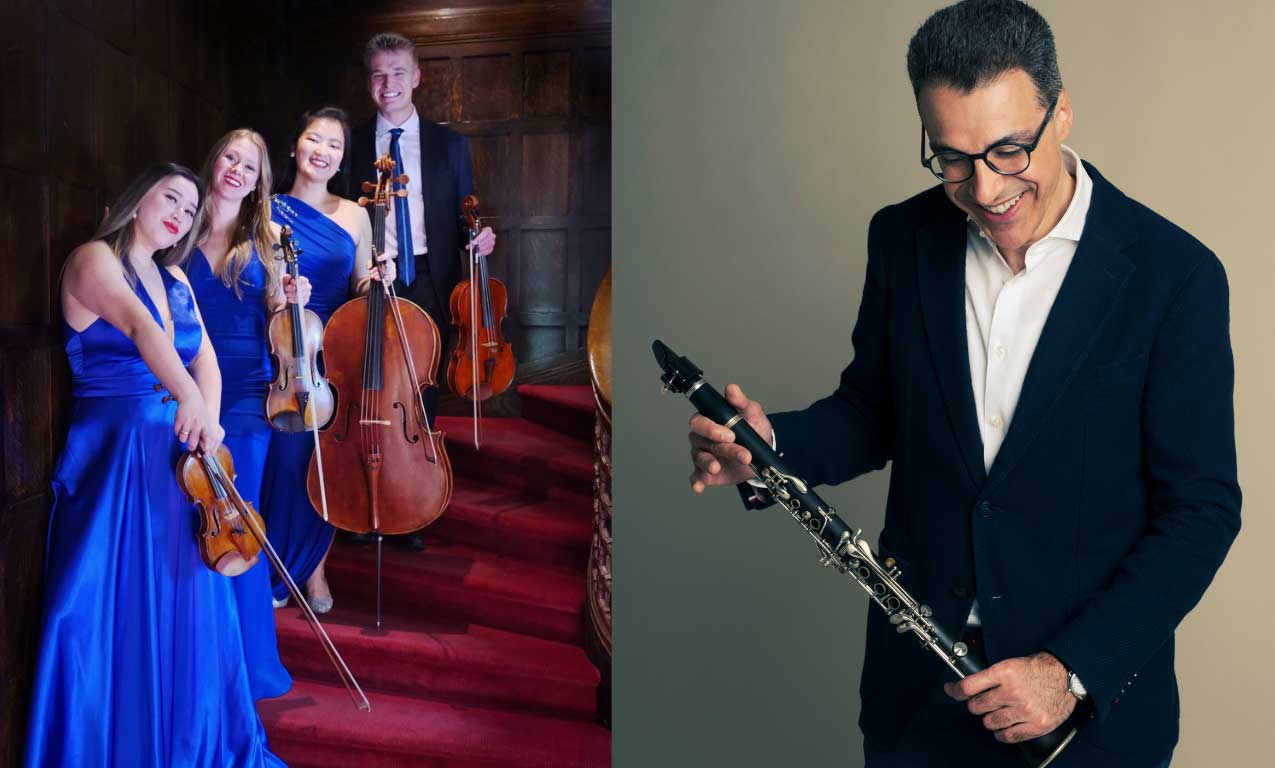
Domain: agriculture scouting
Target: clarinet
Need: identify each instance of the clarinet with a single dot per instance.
(839, 547)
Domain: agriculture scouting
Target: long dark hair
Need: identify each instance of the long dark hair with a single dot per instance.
(117, 229)
(338, 183)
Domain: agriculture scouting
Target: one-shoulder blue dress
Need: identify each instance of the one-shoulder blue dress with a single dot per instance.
(237, 329)
(141, 659)
(293, 525)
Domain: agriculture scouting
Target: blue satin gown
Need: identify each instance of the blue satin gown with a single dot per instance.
(293, 525)
(141, 660)
(237, 329)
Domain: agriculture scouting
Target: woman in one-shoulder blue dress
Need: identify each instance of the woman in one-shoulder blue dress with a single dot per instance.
(140, 660)
(335, 237)
(236, 290)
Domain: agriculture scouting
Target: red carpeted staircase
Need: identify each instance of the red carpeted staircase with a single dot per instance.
(479, 659)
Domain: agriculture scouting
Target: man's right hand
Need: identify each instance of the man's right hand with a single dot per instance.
(717, 459)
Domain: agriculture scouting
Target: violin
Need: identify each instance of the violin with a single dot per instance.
(482, 364)
(232, 536)
(387, 468)
(299, 398)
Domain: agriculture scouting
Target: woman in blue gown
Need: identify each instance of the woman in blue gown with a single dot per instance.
(140, 661)
(336, 237)
(237, 288)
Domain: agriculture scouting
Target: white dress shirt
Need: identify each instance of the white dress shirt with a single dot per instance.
(409, 143)
(1005, 313)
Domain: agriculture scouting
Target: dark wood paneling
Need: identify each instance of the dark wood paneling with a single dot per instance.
(494, 174)
(593, 72)
(115, 21)
(27, 440)
(79, 11)
(438, 96)
(22, 532)
(547, 89)
(74, 109)
(115, 83)
(154, 43)
(186, 42)
(24, 295)
(544, 264)
(152, 131)
(487, 91)
(593, 163)
(546, 169)
(22, 99)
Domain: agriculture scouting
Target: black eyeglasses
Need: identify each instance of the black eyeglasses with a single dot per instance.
(1008, 159)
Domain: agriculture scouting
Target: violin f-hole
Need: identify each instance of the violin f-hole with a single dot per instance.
(411, 439)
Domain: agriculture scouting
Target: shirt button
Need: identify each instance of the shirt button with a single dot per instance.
(985, 509)
(999, 351)
(996, 422)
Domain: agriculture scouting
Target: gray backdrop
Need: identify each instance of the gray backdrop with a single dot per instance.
(753, 142)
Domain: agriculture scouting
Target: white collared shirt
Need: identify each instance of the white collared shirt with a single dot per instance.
(1005, 313)
(409, 144)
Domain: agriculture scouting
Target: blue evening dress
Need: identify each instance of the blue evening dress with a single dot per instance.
(237, 329)
(141, 659)
(296, 529)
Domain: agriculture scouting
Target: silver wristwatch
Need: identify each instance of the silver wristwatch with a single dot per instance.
(1075, 687)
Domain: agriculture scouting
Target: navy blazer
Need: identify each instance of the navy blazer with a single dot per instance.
(448, 177)
(1113, 499)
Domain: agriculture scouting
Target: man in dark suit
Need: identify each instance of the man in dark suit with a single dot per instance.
(1047, 365)
(429, 219)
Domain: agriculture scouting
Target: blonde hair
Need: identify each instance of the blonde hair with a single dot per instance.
(252, 227)
(385, 41)
(117, 231)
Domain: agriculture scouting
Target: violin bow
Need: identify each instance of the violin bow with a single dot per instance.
(214, 471)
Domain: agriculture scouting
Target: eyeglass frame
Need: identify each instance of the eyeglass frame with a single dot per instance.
(1028, 148)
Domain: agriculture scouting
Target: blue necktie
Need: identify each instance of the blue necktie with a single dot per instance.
(402, 216)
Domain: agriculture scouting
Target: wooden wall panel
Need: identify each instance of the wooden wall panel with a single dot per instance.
(487, 91)
(21, 579)
(154, 43)
(492, 158)
(115, 22)
(186, 37)
(22, 97)
(438, 96)
(151, 127)
(74, 107)
(26, 416)
(547, 88)
(593, 160)
(24, 295)
(546, 171)
(115, 83)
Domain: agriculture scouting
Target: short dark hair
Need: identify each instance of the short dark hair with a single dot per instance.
(973, 42)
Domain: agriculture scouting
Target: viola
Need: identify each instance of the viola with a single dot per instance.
(387, 469)
(299, 398)
(482, 364)
(232, 536)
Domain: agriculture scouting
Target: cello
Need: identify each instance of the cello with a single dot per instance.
(232, 536)
(388, 471)
(482, 364)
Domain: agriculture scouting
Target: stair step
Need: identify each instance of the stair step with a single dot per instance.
(556, 530)
(566, 409)
(519, 453)
(452, 582)
(316, 726)
(460, 663)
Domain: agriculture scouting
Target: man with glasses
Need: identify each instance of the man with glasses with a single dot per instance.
(1047, 365)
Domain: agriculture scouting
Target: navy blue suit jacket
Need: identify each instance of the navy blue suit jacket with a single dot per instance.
(1113, 499)
(447, 177)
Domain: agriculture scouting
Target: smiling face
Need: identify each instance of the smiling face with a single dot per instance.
(1014, 211)
(392, 76)
(320, 148)
(167, 212)
(236, 171)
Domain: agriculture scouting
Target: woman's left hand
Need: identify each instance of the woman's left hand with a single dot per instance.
(298, 291)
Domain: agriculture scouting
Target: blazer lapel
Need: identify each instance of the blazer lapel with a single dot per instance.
(940, 247)
(1097, 275)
